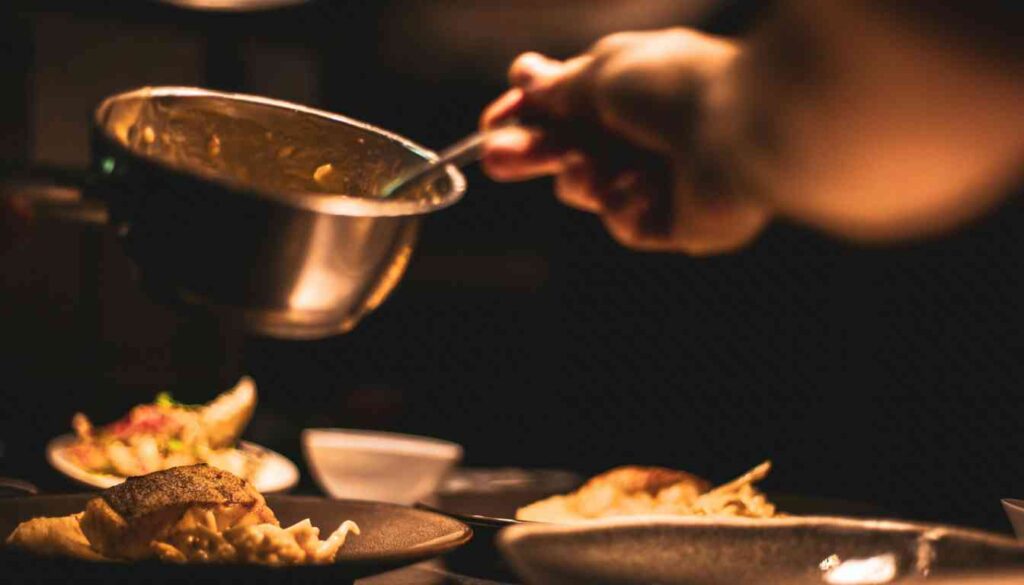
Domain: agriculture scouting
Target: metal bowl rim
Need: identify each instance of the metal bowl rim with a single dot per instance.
(319, 202)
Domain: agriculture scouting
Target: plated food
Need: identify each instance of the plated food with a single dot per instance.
(391, 536)
(166, 433)
(188, 514)
(634, 491)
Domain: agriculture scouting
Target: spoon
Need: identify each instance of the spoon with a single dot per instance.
(462, 153)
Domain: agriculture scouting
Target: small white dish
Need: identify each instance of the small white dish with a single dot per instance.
(276, 474)
(375, 465)
(1015, 513)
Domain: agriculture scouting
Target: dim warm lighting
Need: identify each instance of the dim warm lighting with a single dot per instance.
(389, 280)
(317, 288)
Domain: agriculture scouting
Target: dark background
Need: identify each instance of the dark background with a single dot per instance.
(883, 375)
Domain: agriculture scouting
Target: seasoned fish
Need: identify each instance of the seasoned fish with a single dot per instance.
(126, 518)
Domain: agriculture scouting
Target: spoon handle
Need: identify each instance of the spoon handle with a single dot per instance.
(462, 153)
(10, 486)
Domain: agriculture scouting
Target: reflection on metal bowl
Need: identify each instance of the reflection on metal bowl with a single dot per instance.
(266, 212)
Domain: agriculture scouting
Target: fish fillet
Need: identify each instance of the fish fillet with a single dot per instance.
(126, 518)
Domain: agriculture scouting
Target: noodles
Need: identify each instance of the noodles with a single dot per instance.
(197, 538)
(264, 544)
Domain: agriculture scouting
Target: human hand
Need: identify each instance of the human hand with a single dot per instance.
(621, 133)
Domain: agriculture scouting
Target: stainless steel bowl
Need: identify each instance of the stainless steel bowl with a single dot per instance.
(266, 212)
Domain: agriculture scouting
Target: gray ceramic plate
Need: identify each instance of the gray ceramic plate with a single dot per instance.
(487, 500)
(717, 551)
(392, 536)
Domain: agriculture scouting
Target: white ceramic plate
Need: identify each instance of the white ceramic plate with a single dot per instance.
(276, 474)
(1015, 513)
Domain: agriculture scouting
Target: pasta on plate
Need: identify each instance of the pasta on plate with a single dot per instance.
(633, 490)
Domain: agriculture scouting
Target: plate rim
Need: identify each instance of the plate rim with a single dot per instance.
(430, 549)
(526, 529)
(54, 456)
(421, 552)
(501, 522)
(519, 544)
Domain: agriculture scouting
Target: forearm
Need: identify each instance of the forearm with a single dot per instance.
(843, 116)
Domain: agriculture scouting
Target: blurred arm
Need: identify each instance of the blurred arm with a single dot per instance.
(873, 119)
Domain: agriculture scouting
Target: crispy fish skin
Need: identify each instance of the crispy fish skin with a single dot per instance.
(126, 518)
(189, 485)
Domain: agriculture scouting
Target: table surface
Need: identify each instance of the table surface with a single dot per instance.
(426, 573)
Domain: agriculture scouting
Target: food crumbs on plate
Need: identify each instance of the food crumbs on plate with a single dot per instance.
(213, 146)
(829, 563)
(322, 172)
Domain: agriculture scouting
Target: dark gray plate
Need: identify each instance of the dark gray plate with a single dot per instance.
(719, 551)
(487, 500)
(392, 536)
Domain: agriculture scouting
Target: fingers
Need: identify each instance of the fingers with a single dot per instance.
(537, 86)
(546, 89)
(553, 89)
(611, 122)
(528, 70)
(579, 186)
(518, 154)
(696, 229)
(642, 218)
(508, 104)
(649, 209)
(531, 69)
